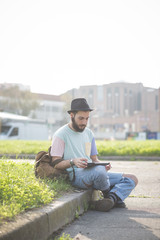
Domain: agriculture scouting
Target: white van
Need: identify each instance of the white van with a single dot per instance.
(19, 127)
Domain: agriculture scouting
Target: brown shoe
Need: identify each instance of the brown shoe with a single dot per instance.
(120, 205)
(103, 205)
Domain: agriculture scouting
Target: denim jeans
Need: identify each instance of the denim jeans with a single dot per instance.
(98, 178)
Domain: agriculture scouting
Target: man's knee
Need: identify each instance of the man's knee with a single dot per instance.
(100, 172)
(131, 176)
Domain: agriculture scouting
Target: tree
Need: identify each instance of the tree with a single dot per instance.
(17, 101)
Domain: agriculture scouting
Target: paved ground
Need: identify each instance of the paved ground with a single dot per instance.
(141, 219)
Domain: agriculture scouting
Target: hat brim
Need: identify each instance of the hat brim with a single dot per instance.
(78, 110)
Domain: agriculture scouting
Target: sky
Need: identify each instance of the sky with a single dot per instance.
(54, 46)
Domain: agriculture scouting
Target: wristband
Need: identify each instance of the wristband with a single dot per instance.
(71, 163)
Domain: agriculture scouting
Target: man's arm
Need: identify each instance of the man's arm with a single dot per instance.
(94, 158)
(78, 162)
(62, 165)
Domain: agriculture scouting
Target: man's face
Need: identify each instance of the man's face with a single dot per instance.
(79, 120)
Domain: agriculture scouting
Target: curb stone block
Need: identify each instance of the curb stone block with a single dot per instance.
(41, 223)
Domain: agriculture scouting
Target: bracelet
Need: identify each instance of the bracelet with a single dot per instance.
(71, 163)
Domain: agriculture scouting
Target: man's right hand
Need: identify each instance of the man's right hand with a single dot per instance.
(80, 162)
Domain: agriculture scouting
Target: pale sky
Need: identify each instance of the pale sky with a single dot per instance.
(54, 46)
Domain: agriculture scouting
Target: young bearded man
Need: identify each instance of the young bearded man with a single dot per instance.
(75, 143)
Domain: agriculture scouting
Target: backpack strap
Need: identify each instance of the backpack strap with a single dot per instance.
(55, 162)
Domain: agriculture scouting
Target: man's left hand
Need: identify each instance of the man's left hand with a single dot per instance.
(108, 167)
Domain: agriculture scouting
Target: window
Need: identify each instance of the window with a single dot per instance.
(14, 132)
(116, 101)
(109, 98)
(47, 108)
(109, 92)
(139, 102)
(156, 102)
(116, 90)
(130, 93)
(5, 129)
(100, 93)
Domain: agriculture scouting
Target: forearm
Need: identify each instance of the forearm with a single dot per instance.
(95, 158)
(62, 165)
(78, 162)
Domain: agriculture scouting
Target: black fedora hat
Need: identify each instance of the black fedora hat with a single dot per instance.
(79, 104)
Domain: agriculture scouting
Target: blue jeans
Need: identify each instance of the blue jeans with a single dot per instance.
(98, 178)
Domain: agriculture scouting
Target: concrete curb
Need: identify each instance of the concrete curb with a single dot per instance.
(130, 158)
(42, 222)
(113, 158)
(18, 156)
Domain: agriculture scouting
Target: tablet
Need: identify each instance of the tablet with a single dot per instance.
(92, 164)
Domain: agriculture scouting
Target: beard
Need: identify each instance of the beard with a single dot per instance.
(76, 127)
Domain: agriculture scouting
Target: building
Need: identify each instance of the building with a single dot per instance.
(50, 109)
(122, 107)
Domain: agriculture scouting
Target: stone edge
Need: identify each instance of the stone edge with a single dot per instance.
(43, 222)
(114, 158)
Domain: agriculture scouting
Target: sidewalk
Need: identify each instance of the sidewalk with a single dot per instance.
(140, 221)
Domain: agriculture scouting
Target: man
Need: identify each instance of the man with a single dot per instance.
(75, 143)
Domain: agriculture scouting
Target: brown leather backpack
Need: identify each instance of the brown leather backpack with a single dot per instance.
(44, 167)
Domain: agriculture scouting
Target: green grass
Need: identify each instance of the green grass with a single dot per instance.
(64, 237)
(129, 148)
(23, 146)
(105, 148)
(21, 191)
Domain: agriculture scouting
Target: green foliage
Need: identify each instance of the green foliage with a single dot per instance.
(64, 237)
(105, 148)
(77, 212)
(61, 185)
(130, 148)
(23, 146)
(20, 190)
(17, 101)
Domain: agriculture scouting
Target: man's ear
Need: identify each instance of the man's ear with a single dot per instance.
(72, 114)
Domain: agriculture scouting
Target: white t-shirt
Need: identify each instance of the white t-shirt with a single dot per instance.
(70, 144)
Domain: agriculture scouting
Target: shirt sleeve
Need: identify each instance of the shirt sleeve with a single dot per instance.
(93, 147)
(57, 148)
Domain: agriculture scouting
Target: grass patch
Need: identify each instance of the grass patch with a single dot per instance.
(20, 190)
(140, 196)
(105, 148)
(23, 146)
(64, 237)
(129, 148)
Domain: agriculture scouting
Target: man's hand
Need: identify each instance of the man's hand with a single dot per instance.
(108, 167)
(80, 162)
